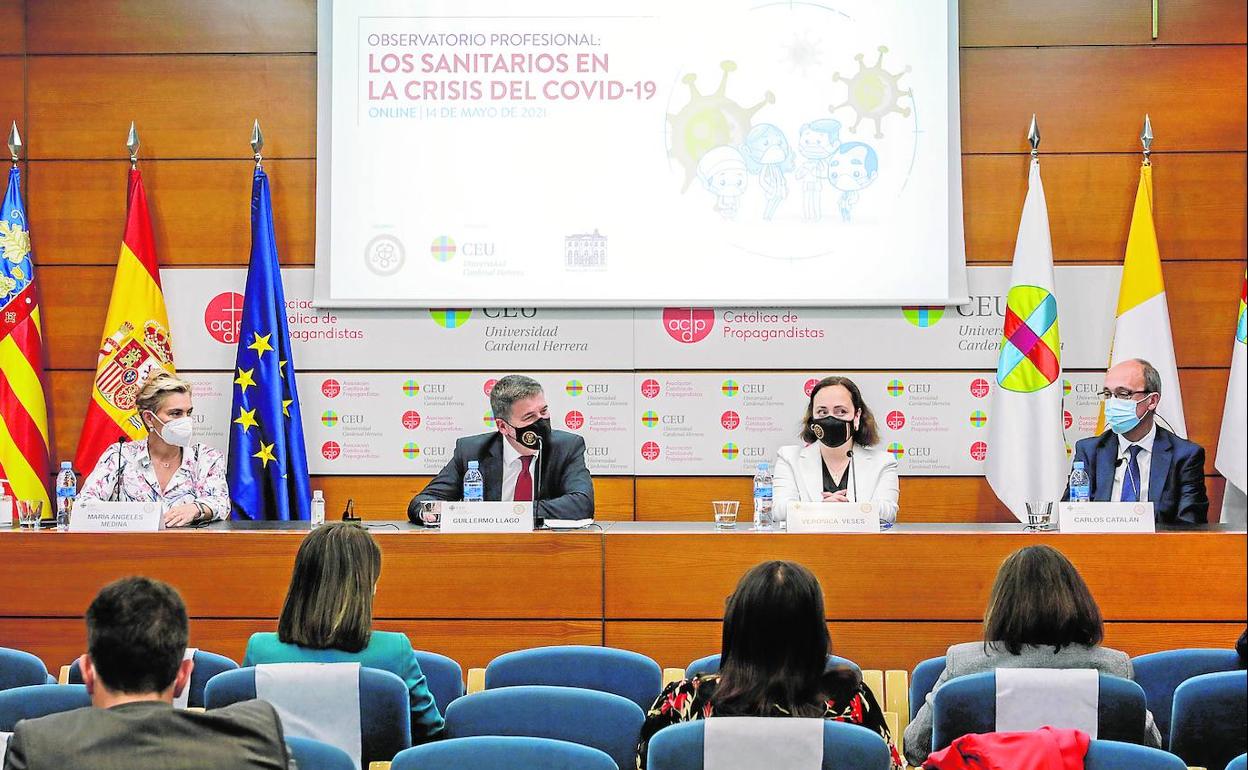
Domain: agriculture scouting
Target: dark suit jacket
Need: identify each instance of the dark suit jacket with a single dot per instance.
(151, 735)
(1176, 475)
(567, 491)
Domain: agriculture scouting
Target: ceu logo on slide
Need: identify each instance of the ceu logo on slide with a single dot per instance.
(330, 450)
(574, 420)
(650, 451)
(979, 450)
(730, 388)
(1066, 387)
(330, 388)
(895, 420)
(730, 451)
(650, 388)
(411, 419)
(730, 420)
(1030, 352)
(574, 388)
(688, 324)
(979, 387)
(443, 248)
(223, 315)
(450, 317)
(978, 419)
(329, 418)
(896, 388)
(384, 255)
(923, 316)
(411, 450)
(896, 450)
(411, 388)
(488, 419)
(650, 419)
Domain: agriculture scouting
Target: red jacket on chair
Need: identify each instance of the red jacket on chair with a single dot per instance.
(1043, 749)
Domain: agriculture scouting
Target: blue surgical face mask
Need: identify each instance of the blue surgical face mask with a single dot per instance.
(1120, 414)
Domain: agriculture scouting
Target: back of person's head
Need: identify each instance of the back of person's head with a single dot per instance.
(136, 635)
(330, 600)
(775, 643)
(1039, 598)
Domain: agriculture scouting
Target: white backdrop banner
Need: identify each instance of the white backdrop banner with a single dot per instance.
(205, 307)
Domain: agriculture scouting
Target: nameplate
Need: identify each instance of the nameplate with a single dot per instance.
(106, 516)
(487, 516)
(833, 517)
(1106, 517)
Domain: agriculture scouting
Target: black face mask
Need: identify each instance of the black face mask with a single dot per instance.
(533, 434)
(832, 431)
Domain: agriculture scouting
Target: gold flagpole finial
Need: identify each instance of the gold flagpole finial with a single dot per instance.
(257, 141)
(1146, 139)
(15, 144)
(1033, 136)
(132, 144)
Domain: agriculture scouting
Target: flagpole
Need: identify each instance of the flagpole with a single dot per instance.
(132, 144)
(1146, 140)
(257, 142)
(1033, 136)
(15, 144)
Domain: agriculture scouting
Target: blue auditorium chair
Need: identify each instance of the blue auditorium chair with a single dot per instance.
(502, 752)
(968, 704)
(207, 665)
(21, 669)
(923, 680)
(443, 676)
(1239, 763)
(314, 755)
(39, 700)
(710, 665)
(600, 720)
(1114, 755)
(385, 715)
(1207, 723)
(1160, 673)
(606, 669)
(845, 747)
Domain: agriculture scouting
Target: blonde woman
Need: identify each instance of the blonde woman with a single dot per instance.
(167, 466)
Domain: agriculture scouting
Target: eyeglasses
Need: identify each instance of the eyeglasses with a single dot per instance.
(1107, 394)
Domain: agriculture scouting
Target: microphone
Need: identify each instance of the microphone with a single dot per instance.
(348, 513)
(121, 468)
(853, 473)
(538, 521)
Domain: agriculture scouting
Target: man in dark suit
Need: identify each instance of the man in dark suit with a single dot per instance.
(523, 450)
(1138, 460)
(136, 638)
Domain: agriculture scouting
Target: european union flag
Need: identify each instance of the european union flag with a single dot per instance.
(268, 468)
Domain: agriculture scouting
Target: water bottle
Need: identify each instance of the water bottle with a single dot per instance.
(66, 491)
(1080, 484)
(318, 508)
(474, 485)
(763, 497)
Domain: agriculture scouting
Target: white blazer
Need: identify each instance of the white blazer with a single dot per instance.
(799, 476)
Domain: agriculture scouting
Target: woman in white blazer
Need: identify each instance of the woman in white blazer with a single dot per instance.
(839, 460)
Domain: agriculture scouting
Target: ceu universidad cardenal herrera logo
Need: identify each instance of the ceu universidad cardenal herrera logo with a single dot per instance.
(442, 248)
(450, 317)
(923, 316)
(329, 418)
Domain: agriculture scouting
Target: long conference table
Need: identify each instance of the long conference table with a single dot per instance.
(892, 598)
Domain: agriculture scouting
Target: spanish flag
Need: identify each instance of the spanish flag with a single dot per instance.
(135, 340)
(1142, 328)
(23, 407)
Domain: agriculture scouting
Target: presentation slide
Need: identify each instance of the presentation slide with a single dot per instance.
(648, 153)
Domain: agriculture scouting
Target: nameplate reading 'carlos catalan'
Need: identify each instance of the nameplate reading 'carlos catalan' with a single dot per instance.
(487, 516)
(1106, 517)
(833, 517)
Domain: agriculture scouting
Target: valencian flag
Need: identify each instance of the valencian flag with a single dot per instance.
(268, 466)
(23, 408)
(1026, 444)
(1232, 459)
(135, 340)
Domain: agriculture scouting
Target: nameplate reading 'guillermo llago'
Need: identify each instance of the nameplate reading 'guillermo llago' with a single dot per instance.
(488, 516)
(833, 517)
(1106, 517)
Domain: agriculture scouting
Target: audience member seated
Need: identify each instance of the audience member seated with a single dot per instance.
(773, 662)
(1040, 615)
(136, 639)
(328, 617)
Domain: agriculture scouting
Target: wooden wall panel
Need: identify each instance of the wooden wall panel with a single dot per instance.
(201, 210)
(171, 26)
(12, 27)
(1094, 99)
(1198, 204)
(1098, 22)
(12, 100)
(184, 106)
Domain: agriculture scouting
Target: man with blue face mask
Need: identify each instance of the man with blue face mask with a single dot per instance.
(1138, 460)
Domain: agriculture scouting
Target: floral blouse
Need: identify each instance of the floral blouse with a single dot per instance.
(200, 478)
(690, 699)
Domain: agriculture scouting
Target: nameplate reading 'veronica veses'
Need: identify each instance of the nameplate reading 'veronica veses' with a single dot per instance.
(1106, 517)
(833, 517)
(105, 516)
(487, 517)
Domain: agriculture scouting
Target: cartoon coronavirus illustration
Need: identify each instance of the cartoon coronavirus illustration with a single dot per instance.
(873, 92)
(709, 120)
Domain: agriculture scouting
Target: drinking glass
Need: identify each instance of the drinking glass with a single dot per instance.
(431, 513)
(1039, 515)
(28, 513)
(725, 513)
